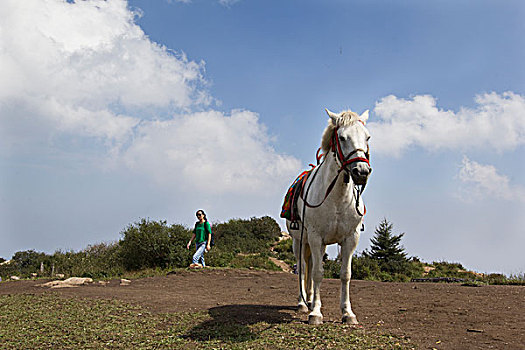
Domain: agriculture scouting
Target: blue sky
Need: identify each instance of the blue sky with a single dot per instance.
(117, 110)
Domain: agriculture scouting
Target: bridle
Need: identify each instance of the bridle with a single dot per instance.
(344, 162)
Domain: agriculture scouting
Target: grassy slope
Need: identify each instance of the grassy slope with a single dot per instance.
(51, 321)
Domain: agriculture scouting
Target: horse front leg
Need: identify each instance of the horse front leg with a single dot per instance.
(317, 249)
(347, 250)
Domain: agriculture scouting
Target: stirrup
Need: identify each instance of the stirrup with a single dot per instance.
(294, 225)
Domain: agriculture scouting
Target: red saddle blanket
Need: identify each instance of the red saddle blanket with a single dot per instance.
(289, 209)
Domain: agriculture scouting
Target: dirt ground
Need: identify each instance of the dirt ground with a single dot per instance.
(432, 315)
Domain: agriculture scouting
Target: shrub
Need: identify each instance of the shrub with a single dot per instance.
(447, 269)
(518, 280)
(149, 244)
(7, 270)
(101, 260)
(179, 236)
(219, 258)
(332, 268)
(284, 251)
(496, 278)
(247, 236)
(365, 268)
(24, 263)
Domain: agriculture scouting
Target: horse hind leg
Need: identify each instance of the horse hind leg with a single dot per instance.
(302, 275)
(309, 281)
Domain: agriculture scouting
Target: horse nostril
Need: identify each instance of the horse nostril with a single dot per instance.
(355, 171)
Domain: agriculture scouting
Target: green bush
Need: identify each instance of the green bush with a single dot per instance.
(24, 263)
(447, 269)
(150, 244)
(332, 268)
(518, 280)
(96, 261)
(365, 268)
(284, 251)
(247, 236)
(7, 270)
(179, 256)
(217, 257)
(284, 246)
(496, 278)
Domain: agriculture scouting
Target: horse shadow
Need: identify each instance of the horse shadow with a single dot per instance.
(232, 322)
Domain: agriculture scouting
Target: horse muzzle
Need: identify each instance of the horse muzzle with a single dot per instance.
(360, 173)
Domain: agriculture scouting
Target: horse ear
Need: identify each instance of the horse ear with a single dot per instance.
(364, 117)
(332, 115)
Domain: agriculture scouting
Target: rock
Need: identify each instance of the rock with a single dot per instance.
(59, 275)
(50, 284)
(104, 283)
(124, 282)
(472, 330)
(70, 282)
(15, 278)
(64, 285)
(34, 275)
(78, 280)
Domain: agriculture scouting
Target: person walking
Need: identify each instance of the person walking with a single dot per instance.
(202, 236)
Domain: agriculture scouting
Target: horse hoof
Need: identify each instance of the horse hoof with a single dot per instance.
(350, 320)
(315, 320)
(302, 308)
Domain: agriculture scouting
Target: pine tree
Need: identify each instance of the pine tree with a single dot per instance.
(386, 246)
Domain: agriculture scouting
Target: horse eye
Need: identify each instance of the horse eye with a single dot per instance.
(342, 138)
(368, 138)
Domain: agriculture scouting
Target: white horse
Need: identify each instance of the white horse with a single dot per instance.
(333, 212)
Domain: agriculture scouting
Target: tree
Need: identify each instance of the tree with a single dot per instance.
(386, 248)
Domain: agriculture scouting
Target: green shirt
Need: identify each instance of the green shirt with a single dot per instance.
(201, 231)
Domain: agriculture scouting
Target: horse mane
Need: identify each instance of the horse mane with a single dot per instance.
(345, 118)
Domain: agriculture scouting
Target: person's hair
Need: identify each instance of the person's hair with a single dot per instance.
(203, 213)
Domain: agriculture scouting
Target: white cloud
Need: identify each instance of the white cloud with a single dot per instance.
(485, 181)
(211, 152)
(85, 70)
(228, 2)
(80, 66)
(497, 124)
(222, 2)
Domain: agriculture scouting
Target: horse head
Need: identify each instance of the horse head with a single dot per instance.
(349, 137)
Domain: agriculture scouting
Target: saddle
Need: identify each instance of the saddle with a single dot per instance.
(289, 210)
